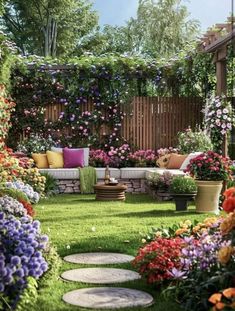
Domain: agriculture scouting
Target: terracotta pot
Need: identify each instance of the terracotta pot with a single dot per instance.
(207, 198)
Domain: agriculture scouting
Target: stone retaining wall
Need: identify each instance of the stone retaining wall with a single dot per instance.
(73, 186)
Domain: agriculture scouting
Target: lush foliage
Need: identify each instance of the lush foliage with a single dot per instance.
(49, 28)
(21, 255)
(158, 259)
(35, 143)
(6, 107)
(210, 166)
(181, 184)
(218, 119)
(160, 182)
(193, 141)
(51, 184)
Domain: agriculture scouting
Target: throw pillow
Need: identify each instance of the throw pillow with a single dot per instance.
(73, 158)
(86, 153)
(176, 160)
(187, 160)
(40, 160)
(163, 161)
(55, 159)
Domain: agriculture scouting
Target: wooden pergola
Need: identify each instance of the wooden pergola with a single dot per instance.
(216, 41)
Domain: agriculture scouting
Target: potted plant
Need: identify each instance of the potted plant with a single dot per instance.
(210, 170)
(183, 189)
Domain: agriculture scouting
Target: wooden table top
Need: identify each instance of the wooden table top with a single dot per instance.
(119, 186)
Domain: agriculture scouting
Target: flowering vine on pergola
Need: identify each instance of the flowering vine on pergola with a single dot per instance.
(216, 41)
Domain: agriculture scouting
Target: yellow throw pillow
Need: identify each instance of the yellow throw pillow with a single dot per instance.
(40, 160)
(55, 159)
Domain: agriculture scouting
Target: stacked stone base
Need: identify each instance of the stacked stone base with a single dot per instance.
(73, 186)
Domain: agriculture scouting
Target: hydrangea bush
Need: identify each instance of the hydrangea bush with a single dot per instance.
(25, 188)
(21, 255)
(35, 143)
(10, 206)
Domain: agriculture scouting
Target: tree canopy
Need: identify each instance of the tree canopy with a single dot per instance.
(48, 27)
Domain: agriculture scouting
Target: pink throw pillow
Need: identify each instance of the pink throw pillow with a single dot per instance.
(73, 158)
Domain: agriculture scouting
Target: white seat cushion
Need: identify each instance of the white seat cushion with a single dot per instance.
(133, 172)
(187, 160)
(73, 173)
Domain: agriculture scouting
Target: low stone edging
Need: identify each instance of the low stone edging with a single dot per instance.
(73, 186)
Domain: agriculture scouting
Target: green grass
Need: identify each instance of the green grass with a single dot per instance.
(78, 223)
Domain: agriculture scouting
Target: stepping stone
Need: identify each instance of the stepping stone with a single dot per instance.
(108, 298)
(100, 275)
(98, 258)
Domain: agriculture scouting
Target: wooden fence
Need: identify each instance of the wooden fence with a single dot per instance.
(151, 122)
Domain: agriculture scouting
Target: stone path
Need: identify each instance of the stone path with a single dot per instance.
(98, 258)
(104, 297)
(100, 275)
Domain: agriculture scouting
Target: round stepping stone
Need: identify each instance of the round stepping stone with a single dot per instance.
(100, 275)
(98, 258)
(108, 298)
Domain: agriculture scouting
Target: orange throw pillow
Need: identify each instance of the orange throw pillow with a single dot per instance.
(176, 160)
(163, 161)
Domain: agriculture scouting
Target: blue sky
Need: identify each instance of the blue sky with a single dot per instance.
(208, 12)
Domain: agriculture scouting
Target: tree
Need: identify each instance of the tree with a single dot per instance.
(162, 27)
(48, 27)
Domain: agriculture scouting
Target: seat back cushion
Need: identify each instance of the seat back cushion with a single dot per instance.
(73, 158)
(55, 159)
(187, 160)
(86, 153)
(163, 161)
(176, 160)
(40, 160)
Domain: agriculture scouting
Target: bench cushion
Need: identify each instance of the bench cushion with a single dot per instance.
(73, 173)
(134, 172)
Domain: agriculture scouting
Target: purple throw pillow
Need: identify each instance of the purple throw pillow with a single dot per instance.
(73, 158)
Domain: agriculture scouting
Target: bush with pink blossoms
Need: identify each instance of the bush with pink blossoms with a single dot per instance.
(163, 151)
(120, 156)
(99, 158)
(142, 158)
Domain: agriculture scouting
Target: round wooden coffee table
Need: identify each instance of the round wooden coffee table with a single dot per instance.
(110, 192)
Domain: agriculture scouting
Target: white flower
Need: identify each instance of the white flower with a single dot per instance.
(225, 110)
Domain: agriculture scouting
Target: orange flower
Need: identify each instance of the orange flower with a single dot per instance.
(181, 231)
(228, 224)
(229, 204)
(224, 254)
(229, 292)
(220, 306)
(215, 298)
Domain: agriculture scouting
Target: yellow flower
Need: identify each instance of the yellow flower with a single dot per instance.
(196, 229)
(188, 223)
(143, 241)
(180, 231)
(224, 254)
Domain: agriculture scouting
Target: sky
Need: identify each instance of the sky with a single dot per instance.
(208, 12)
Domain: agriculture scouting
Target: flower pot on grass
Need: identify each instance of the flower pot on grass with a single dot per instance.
(210, 170)
(183, 189)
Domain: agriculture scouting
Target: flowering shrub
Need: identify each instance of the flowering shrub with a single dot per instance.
(10, 206)
(163, 151)
(27, 189)
(21, 247)
(229, 201)
(193, 141)
(98, 158)
(218, 119)
(142, 158)
(160, 182)
(36, 143)
(119, 156)
(209, 166)
(10, 170)
(6, 107)
(156, 260)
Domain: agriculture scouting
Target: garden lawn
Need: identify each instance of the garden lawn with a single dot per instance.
(78, 223)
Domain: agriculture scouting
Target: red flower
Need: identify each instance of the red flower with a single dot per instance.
(229, 204)
(28, 207)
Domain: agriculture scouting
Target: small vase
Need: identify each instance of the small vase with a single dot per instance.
(208, 194)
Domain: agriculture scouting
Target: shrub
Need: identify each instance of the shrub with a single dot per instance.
(143, 158)
(119, 156)
(98, 158)
(32, 195)
(10, 206)
(193, 141)
(21, 247)
(36, 143)
(181, 184)
(51, 185)
(160, 182)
